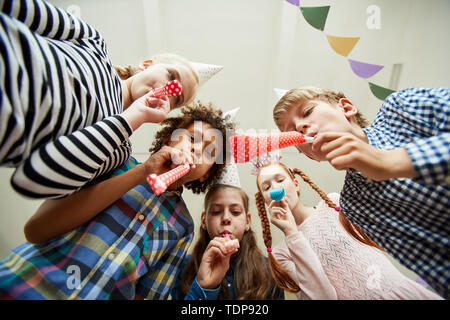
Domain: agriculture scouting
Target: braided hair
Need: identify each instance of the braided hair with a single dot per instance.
(280, 275)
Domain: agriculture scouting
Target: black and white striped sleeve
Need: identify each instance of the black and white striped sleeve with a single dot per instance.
(65, 165)
(47, 20)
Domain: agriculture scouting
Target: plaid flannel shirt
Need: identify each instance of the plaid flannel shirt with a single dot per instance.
(409, 218)
(135, 246)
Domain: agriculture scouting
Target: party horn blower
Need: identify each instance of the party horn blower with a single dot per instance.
(160, 183)
(171, 88)
(246, 147)
(277, 194)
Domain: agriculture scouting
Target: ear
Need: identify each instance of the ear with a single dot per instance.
(248, 222)
(348, 107)
(203, 220)
(145, 64)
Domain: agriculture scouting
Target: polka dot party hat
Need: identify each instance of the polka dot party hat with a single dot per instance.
(246, 147)
(205, 71)
(230, 176)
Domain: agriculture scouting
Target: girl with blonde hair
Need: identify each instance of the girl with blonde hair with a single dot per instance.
(67, 114)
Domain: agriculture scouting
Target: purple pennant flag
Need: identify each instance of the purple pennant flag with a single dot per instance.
(294, 2)
(364, 70)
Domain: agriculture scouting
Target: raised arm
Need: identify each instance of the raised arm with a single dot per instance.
(65, 165)
(427, 111)
(57, 217)
(47, 20)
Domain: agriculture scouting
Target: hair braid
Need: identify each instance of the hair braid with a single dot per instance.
(279, 274)
(351, 228)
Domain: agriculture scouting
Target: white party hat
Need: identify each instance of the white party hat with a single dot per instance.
(230, 176)
(280, 92)
(205, 71)
(232, 113)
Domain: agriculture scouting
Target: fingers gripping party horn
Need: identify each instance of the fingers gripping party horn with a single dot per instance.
(246, 147)
(160, 183)
(171, 88)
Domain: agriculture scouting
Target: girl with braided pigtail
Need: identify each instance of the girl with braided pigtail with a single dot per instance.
(323, 254)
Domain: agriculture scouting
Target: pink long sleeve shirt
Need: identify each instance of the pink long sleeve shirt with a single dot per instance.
(328, 263)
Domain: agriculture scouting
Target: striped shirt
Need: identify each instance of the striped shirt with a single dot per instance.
(59, 101)
(135, 246)
(409, 218)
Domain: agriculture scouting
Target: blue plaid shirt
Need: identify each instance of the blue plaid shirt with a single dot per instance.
(409, 218)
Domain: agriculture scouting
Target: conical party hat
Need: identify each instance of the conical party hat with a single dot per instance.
(160, 183)
(280, 92)
(205, 71)
(232, 113)
(246, 147)
(230, 176)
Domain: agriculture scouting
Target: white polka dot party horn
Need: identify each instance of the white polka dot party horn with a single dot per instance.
(160, 183)
(246, 147)
(171, 88)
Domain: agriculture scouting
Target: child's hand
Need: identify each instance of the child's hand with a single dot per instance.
(281, 216)
(216, 262)
(146, 109)
(165, 159)
(345, 151)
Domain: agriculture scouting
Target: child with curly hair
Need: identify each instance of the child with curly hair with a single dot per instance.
(119, 239)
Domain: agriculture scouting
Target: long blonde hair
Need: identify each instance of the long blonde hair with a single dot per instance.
(251, 277)
(280, 275)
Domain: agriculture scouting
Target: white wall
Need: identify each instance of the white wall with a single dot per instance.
(262, 45)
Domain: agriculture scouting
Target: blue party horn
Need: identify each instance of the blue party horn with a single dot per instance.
(277, 194)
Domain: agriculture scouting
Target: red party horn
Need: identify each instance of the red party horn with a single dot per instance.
(246, 147)
(171, 88)
(160, 183)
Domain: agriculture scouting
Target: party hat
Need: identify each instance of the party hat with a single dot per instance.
(280, 92)
(160, 183)
(205, 71)
(232, 113)
(246, 147)
(230, 176)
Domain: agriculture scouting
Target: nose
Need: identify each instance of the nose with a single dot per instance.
(226, 218)
(301, 126)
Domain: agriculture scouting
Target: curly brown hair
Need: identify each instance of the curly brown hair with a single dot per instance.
(205, 113)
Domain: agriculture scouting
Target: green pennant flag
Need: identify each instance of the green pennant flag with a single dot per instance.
(380, 92)
(315, 16)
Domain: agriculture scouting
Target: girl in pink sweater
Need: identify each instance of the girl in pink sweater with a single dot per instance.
(324, 255)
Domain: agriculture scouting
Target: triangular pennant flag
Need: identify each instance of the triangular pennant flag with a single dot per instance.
(280, 92)
(342, 45)
(294, 2)
(315, 16)
(364, 70)
(380, 92)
